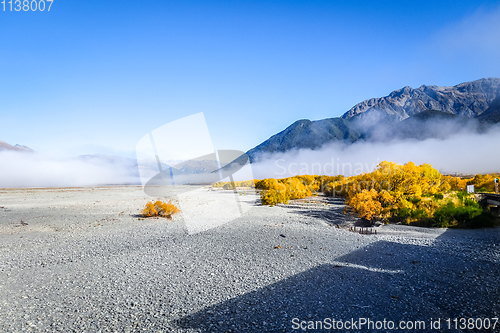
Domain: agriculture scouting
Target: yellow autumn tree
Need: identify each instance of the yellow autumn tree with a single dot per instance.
(366, 204)
(297, 189)
(273, 192)
(399, 189)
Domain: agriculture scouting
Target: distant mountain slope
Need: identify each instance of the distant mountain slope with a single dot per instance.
(467, 99)
(492, 114)
(5, 146)
(426, 112)
(308, 134)
(424, 125)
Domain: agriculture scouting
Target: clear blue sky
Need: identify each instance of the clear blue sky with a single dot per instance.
(95, 76)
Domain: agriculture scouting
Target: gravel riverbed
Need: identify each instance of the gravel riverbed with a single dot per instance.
(82, 260)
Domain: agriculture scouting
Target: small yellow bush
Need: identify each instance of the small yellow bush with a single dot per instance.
(229, 186)
(274, 197)
(160, 208)
(233, 184)
(149, 210)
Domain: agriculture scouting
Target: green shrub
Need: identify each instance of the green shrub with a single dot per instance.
(439, 196)
(449, 215)
(403, 212)
(486, 220)
(419, 213)
(443, 217)
(414, 200)
(462, 195)
(470, 202)
(466, 213)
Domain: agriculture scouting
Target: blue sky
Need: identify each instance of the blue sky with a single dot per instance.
(95, 76)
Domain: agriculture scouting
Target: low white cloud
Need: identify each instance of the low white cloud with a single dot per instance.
(466, 152)
(38, 170)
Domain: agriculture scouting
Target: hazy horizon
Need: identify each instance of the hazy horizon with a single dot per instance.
(456, 153)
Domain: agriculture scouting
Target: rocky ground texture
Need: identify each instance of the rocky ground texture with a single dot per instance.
(82, 260)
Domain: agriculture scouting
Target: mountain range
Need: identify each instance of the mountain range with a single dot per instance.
(4, 146)
(407, 113)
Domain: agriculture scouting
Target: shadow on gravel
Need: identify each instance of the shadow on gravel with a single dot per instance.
(332, 214)
(381, 281)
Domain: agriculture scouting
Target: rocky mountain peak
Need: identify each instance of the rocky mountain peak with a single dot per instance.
(408, 113)
(468, 99)
(5, 146)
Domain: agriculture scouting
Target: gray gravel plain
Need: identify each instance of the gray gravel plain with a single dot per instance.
(81, 260)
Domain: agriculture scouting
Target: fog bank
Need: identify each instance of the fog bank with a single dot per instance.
(37, 170)
(466, 152)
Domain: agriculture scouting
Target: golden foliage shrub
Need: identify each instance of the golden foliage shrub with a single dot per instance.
(232, 185)
(366, 204)
(149, 210)
(393, 190)
(273, 192)
(273, 197)
(482, 183)
(160, 208)
(406, 192)
(297, 189)
(246, 183)
(336, 187)
(283, 190)
(229, 186)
